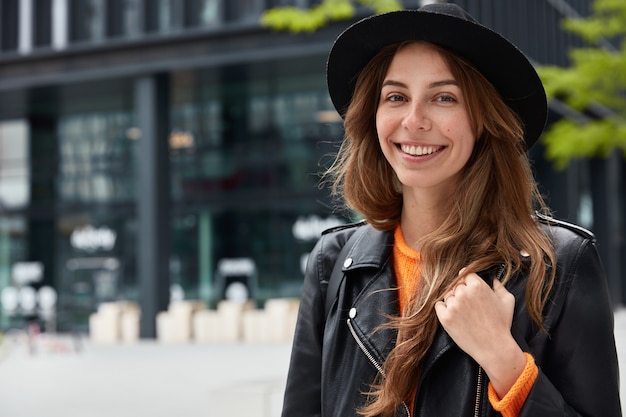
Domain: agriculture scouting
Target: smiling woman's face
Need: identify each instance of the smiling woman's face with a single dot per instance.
(422, 121)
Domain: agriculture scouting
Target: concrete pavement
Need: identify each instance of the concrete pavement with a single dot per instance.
(155, 380)
(142, 379)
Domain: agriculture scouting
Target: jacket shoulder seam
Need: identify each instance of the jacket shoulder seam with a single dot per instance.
(343, 227)
(579, 230)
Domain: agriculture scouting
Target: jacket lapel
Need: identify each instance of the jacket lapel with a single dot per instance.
(370, 261)
(441, 344)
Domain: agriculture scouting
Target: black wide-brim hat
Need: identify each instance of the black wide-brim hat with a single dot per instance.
(451, 27)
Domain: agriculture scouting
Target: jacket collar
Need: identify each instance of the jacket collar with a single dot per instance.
(371, 249)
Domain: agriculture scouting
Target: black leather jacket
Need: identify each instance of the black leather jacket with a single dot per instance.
(334, 360)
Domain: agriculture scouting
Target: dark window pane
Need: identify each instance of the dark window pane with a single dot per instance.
(203, 13)
(115, 26)
(9, 21)
(244, 10)
(42, 23)
(86, 19)
(123, 18)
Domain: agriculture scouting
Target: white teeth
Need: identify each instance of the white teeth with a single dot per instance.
(419, 150)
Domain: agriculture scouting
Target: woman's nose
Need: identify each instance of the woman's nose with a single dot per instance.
(416, 119)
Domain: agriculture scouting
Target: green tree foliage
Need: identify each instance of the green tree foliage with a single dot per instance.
(595, 80)
(297, 20)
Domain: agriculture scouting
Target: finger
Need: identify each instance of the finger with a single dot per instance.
(498, 286)
(447, 297)
(440, 308)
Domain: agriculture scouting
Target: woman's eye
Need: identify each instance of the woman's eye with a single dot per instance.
(445, 99)
(395, 97)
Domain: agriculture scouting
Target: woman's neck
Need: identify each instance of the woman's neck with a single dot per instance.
(422, 214)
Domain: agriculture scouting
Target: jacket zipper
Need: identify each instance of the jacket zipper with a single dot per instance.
(479, 382)
(500, 272)
(372, 360)
(479, 391)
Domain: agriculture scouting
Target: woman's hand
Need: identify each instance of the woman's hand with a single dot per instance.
(479, 320)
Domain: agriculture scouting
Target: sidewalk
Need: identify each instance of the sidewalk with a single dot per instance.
(156, 380)
(143, 379)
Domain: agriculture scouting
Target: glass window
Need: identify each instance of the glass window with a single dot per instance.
(9, 18)
(42, 23)
(96, 249)
(95, 220)
(87, 20)
(203, 13)
(96, 158)
(294, 3)
(244, 10)
(244, 186)
(14, 165)
(264, 249)
(123, 18)
(164, 16)
(13, 249)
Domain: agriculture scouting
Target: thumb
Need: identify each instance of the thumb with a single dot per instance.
(498, 286)
(500, 290)
(502, 294)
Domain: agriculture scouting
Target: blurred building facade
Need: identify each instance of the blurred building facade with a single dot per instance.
(152, 149)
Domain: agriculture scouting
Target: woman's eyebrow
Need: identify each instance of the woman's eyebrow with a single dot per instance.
(442, 83)
(394, 84)
(434, 84)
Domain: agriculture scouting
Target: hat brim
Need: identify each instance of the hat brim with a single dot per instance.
(501, 62)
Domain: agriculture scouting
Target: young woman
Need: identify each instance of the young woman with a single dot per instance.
(458, 295)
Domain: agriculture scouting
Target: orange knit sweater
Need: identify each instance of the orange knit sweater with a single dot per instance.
(406, 268)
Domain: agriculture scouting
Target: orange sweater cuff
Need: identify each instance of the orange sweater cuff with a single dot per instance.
(511, 404)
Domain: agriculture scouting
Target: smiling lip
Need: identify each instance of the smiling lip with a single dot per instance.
(420, 150)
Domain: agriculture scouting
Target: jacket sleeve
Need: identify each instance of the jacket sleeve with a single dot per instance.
(303, 390)
(578, 368)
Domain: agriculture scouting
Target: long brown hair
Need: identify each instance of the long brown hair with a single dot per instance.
(490, 221)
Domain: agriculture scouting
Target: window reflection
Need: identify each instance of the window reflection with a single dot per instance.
(97, 163)
(245, 10)
(87, 20)
(9, 18)
(255, 127)
(123, 18)
(277, 151)
(250, 174)
(13, 248)
(203, 13)
(210, 12)
(14, 164)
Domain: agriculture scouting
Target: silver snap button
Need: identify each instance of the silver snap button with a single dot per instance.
(352, 313)
(347, 262)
